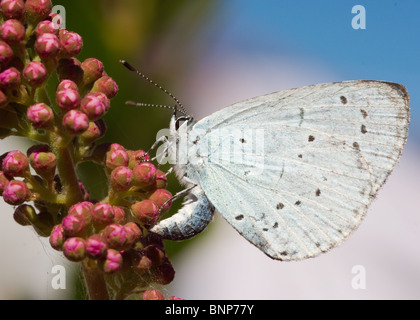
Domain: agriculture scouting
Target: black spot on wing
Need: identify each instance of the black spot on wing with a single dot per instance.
(240, 217)
(280, 206)
(311, 138)
(343, 100)
(363, 129)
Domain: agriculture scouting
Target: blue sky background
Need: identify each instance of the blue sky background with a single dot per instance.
(388, 49)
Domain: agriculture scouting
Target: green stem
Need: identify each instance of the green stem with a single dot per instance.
(95, 283)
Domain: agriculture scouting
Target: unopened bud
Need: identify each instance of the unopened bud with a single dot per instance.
(74, 249)
(40, 116)
(16, 193)
(75, 122)
(47, 46)
(15, 164)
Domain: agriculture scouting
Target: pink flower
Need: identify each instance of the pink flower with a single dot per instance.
(57, 237)
(16, 193)
(106, 85)
(93, 107)
(46, 26)
(144, 175)
(6, 53)
(12, 9)
(146, 212)
(40, 115)
(103, 214)
(75, 122)
(121, 178)
(68, 99)
(113, 261)
(15, 164)
(71, 44)
(93, 69)
(10, 78)
(37, 10)
(74, 249)
(44, 163)
(96, 247)
(12, 31)
(47, 46)
(66, 84)
(153, 295)
(35, 74)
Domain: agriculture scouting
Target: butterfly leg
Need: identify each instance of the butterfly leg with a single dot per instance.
(194, 216)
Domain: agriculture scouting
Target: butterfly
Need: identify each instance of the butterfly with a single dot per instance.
(295, 171)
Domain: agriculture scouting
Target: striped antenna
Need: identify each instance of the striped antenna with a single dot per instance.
(178, 103)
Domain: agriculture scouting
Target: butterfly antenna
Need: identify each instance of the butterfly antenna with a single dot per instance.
(178, 103)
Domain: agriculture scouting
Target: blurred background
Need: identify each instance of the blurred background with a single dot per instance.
(213, 53)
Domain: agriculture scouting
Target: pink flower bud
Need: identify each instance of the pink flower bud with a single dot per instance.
(74, 249)
(133, 233)
(160, 196)
(121, 178)
(113, 261)
(102, 97)
(4, 181)
(136, 157)
(12, 9)
(40, 116)
(68, 99)
(10, 78)
(37, 10)
(73, 225)
(92, 69)
(119, 215)
(116, 157)
(153, 295)
(15, 164)
(115, 236)
(83, 210)
(103, 214)
(12, 31)
(35, 74)
(75, 122)
(47, 46)
(146, 212)
(38, 148)
(96, 246)
(93, 107)
(46, 26)
(70, 69)
(144, 175)
(71, 44)
(106, 85)
(93, 133)
(44, 163)
(161, 180)
(16, 193)
(174, 298)
(66, 84)
(57, 237)
(6, 53)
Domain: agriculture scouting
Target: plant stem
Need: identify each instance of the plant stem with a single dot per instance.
(95, 283)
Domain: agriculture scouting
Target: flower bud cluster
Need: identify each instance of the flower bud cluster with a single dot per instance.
(115, 236)
(110, 235)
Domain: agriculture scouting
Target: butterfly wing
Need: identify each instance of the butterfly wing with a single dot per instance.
(294, 171)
